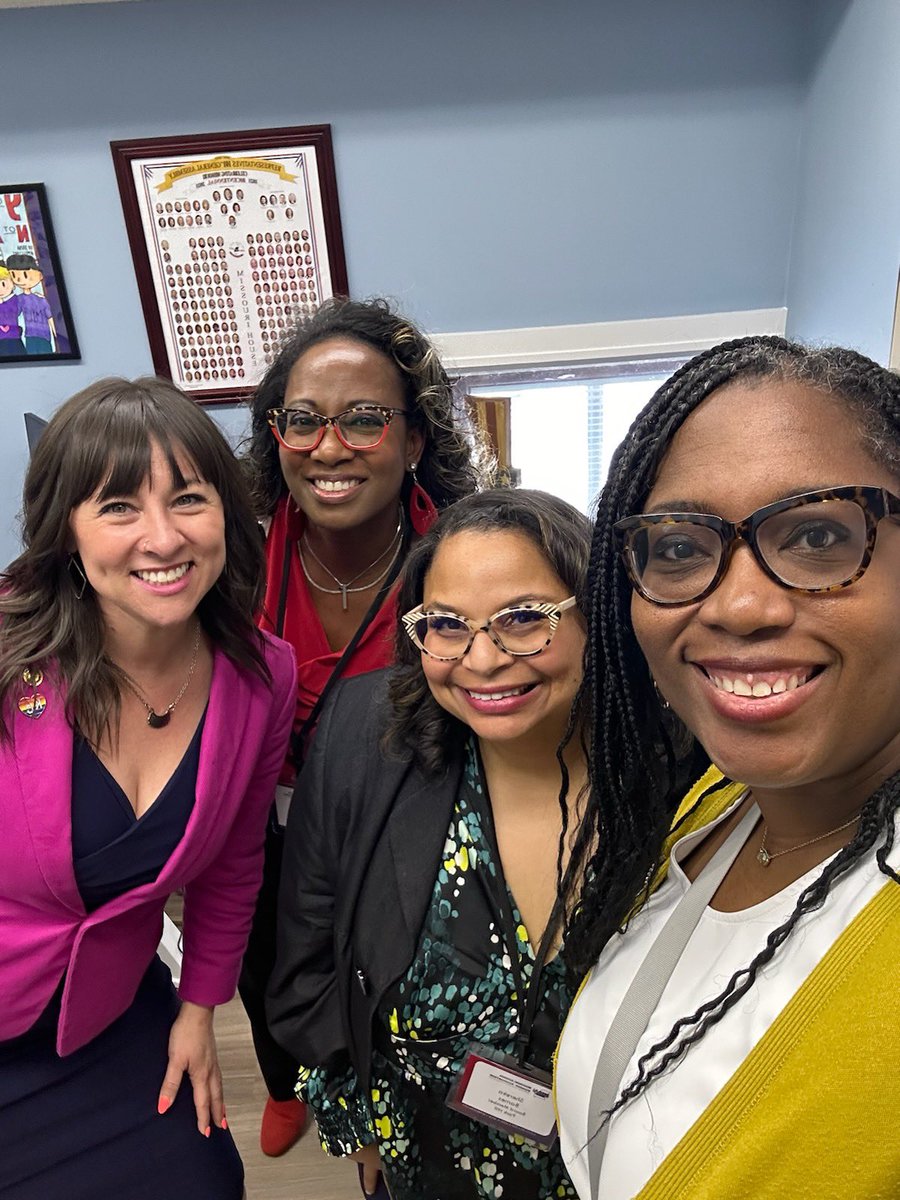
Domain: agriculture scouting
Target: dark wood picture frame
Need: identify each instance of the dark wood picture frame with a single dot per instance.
(35, 319)
(266, 197)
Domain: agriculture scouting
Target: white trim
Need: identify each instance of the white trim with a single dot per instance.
(169, 948)
(604, 339)
(894, 357)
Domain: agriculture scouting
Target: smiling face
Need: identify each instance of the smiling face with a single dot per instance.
(151, 557)
(822, 671)
(335, 487)
(500, 697)
(27, 279)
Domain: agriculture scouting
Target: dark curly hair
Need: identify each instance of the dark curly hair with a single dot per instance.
(101, 440)
(639, 761)
(417, 725)
(454, 460)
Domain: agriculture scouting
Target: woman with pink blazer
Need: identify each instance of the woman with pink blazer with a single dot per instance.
(143, 722)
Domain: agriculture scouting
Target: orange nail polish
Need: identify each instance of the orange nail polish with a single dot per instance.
(164, 1105)
(207, 1131)
(224, 1122)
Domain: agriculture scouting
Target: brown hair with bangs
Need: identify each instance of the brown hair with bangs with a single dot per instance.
(99, 443)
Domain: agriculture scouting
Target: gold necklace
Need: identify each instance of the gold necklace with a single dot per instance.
(159, 720)
(764, 856)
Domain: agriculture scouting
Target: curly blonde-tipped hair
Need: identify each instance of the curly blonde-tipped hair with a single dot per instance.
(454, 461)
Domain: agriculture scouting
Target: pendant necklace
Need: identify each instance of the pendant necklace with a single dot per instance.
(764, 856)
(344, 589)
(159, 720)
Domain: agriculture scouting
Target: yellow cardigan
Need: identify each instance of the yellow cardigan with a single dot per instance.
(813, 1111)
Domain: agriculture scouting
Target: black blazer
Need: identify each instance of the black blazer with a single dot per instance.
(362, 852)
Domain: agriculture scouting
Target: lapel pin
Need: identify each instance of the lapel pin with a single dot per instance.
(32, 706)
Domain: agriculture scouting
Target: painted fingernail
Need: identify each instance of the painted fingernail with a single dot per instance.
(207, 1131)
(224, 1122)
(164, 1105)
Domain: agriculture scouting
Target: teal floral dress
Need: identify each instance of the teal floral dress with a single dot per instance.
(460, 990)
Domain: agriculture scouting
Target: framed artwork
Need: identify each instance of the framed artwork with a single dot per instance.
(35, 321)
(233, 235)
(491, 415)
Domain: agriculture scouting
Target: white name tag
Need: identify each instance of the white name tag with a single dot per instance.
(283, 797)
(501, 1094)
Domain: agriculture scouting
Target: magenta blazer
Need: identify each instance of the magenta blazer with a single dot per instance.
(44, 929)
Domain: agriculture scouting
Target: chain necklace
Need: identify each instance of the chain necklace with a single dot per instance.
(344, 589)
(159, 720)
(764, 856)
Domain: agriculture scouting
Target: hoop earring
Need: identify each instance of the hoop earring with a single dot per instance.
(422, 510)
(663, 702)
(77, 575)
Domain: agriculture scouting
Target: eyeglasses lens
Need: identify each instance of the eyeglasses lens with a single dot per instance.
(442, 636)
(675, 560)
(522, 630)
(360, 429)
(519, 631)
(812, 546)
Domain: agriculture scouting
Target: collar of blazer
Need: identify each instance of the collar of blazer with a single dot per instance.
(42, 751)
(417, 834)
(396, 878)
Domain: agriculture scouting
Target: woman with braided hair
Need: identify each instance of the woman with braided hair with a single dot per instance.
(736, 1034)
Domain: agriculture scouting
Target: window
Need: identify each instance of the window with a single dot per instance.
(566, 422)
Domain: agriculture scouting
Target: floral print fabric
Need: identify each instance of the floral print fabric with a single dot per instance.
(459, 992)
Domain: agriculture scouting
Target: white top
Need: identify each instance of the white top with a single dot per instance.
(642, 1133)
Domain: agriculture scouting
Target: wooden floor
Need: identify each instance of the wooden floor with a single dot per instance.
(304, 1173)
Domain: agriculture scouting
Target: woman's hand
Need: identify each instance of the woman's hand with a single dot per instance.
(192, 1048)
(371, 1167)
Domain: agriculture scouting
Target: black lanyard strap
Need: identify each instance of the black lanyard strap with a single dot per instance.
(527, 998)
(298, 738)
(286, 555)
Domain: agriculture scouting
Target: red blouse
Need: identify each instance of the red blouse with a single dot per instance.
(302, 627)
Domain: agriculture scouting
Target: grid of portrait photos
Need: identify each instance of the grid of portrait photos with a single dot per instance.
(238, 253)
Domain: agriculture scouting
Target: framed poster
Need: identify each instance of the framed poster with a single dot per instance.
(35, 322)
(233, 235)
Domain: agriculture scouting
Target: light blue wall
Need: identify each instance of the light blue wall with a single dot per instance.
(500, 163)
(846, 246)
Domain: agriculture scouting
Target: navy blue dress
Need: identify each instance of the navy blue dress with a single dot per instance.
(85, 1127)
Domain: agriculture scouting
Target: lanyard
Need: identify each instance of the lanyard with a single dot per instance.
(497, 892)
(647, 987)
(299, 736)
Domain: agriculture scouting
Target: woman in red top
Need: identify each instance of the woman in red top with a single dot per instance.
(355, 444)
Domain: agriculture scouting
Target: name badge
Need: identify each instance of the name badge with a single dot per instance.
(503, 1095)
(283, 797)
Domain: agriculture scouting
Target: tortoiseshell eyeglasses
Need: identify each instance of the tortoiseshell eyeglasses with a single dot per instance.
(817, 542)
